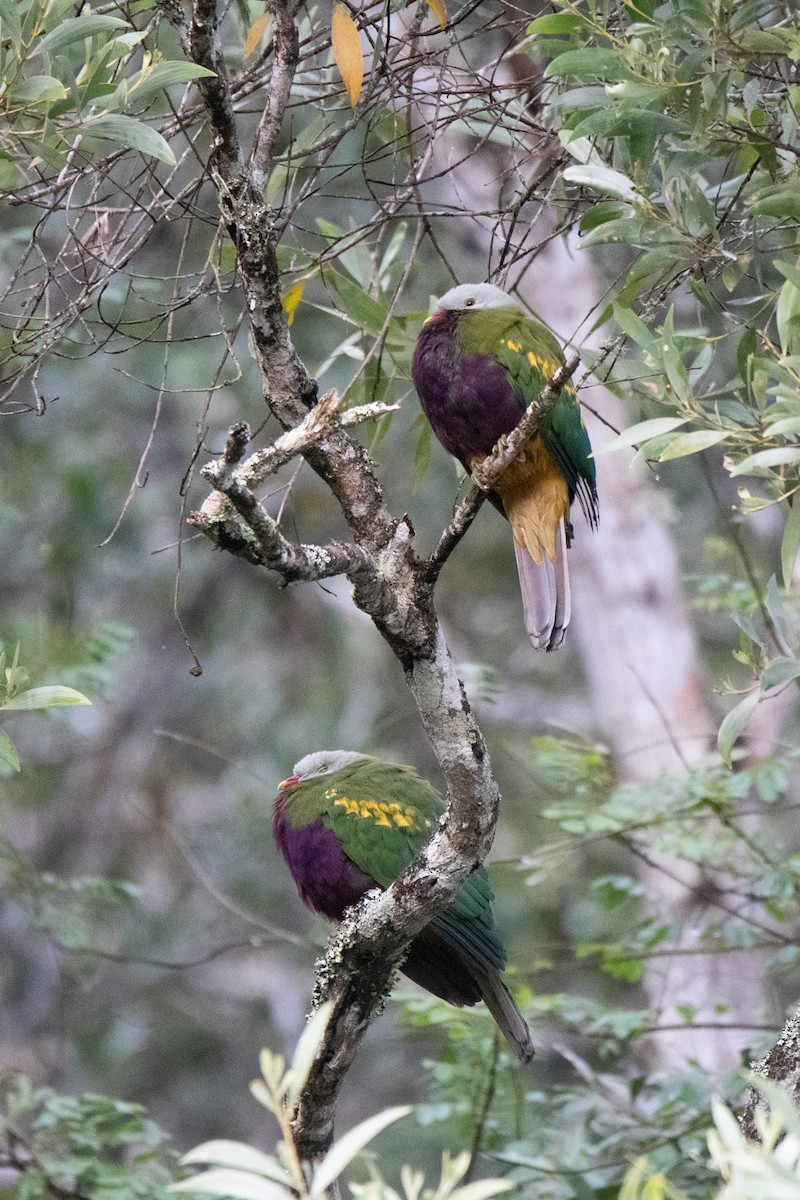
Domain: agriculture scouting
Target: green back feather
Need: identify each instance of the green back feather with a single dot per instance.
(530, 355)
(383, 814)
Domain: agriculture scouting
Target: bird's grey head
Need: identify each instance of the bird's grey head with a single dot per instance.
(476, 296)
(325, 762)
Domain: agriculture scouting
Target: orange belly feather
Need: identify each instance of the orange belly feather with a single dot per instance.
(535, 496)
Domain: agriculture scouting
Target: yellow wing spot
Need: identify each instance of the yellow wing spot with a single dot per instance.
(515, 346)
(377, 812)
(380, 814)
(349, 806)
(331, 794)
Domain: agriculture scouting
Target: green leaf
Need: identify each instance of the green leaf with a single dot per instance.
(345, 1150)
(692, 443)
(165, 75)
(361, 308)
(75, 29)
(638, 434)
(10, 24)
(613, 183)
(780, 670)
(776, 610)
(601, 213)
(787, 425)
(776, 457)
(781, 202)
(8, 751)
(307, 1047)
(557, 23)
(40, 88)
(589, 64)
(635, 328)
(787, 270)
(734, 724)
(790, 543)
(787, 315)
(130, 132)
(37, 698)
(238, 1185)
(225, 1153)
(482, 1189)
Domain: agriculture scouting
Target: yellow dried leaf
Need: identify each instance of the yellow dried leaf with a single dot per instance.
(347, 51)
(439, 11)
(255, 34)
(292, 298)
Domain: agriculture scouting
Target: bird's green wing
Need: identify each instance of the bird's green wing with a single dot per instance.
(531, 355)
(383, 814)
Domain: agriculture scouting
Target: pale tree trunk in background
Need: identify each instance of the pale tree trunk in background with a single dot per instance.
(640, 657)
(632, 625)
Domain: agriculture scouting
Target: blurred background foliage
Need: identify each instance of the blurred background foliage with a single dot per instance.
(151, 940)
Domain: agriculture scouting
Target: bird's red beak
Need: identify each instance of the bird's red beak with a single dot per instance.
(435, 316)
(287, 783)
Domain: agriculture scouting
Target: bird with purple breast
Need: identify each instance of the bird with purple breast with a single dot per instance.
(347, 823)
(479, 362)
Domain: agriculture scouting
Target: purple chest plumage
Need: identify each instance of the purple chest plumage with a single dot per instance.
(328, 882)
(467, 399)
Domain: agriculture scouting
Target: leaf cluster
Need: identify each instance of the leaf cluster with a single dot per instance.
(77, 81)
(75, 1146)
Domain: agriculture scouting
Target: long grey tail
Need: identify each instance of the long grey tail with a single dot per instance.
(546, 598)
(500, 1003)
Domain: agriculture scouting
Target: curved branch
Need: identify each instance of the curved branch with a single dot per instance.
(499, 458)
(389, 584)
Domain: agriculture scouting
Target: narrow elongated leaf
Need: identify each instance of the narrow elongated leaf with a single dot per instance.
(634, 326)
(787, 425)
(612, 183)
(787, 315)
(164, 75)
(292, 298)
(734, 724)
(643, 432)
(780, 670)
(590, 64)
(130, 132)
(40, 88)
(780, 620)
(749, 628)
(237, 1185)
(8, 751)
(255, 34)
(365, 312)
(10, 23)
(555, 23)
(439, 11)
(790, 543)
(691, 443)
(482, 1189)
(225, 1153)
(778, 456)
(55, 696)
(307, 1047)
(260, 1092)
(74, 29)
(345, 1150)
(347, 52)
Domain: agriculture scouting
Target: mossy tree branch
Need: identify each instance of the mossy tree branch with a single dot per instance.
(390, 583)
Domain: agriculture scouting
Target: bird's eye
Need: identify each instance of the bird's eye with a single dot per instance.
(469, 303)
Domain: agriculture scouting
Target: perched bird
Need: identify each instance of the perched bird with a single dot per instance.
(347, 823)
(478, 363)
